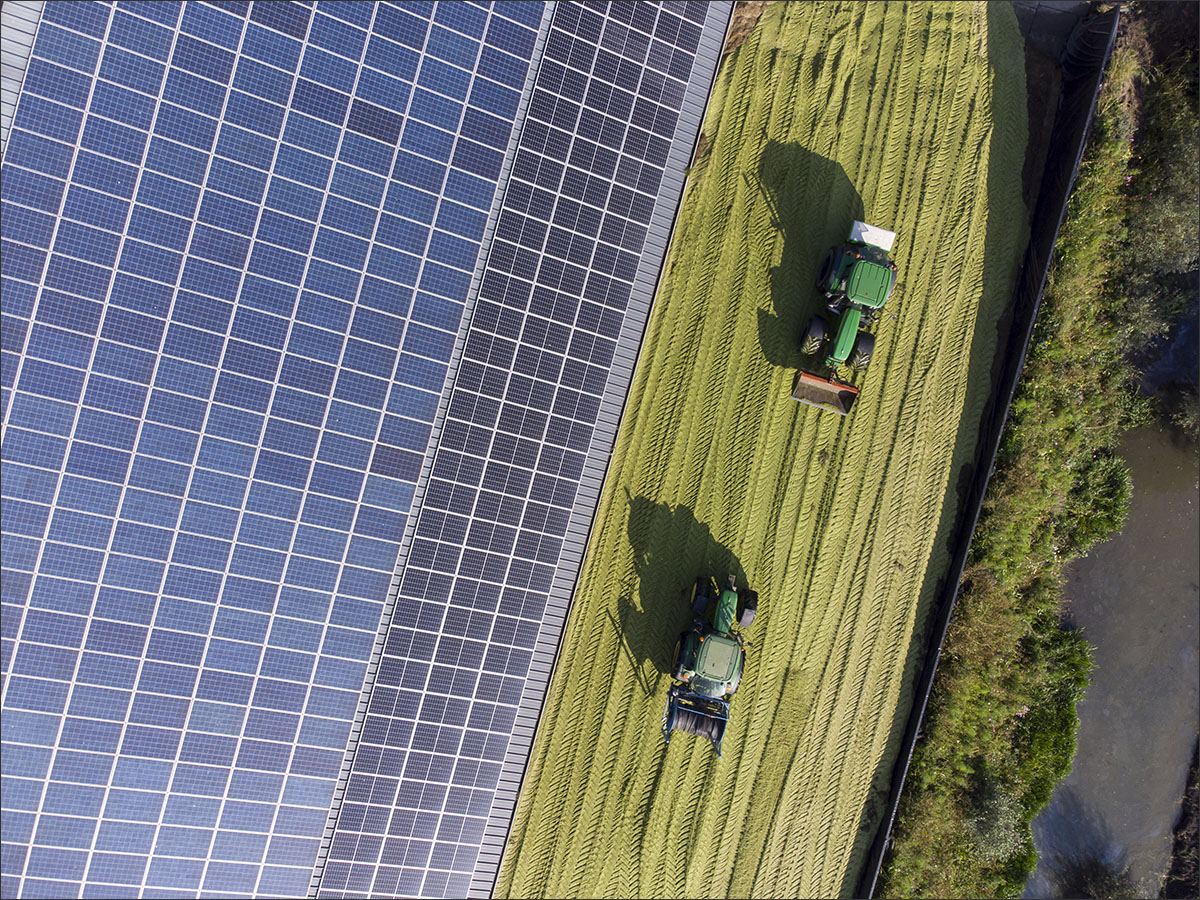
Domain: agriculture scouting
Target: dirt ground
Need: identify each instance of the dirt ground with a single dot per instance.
(1183, 878)
(745, 17)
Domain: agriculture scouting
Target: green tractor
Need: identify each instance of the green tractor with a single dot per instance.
(857, 278)
(709, 659)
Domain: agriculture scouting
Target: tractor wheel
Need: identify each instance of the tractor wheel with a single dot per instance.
(676, 670)
(749, 608)
(826, 270)
(700, 597)
(814, 336)
(862, 351)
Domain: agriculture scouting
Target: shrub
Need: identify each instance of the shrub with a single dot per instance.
(1097, 503)
(1159, 258)
(998, 830)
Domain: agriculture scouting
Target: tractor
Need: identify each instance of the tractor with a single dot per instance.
(709, 659)
(857, 278)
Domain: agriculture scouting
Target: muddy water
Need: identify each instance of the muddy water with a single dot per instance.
(1137, 597)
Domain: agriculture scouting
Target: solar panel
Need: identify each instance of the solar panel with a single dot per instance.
(246, 412)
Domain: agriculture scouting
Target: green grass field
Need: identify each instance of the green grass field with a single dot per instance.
(913, 118)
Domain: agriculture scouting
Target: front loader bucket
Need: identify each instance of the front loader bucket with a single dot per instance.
(824, 393)
(692, 714)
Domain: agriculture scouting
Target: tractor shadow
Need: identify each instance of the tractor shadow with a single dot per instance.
(812, 201)
(670, 549)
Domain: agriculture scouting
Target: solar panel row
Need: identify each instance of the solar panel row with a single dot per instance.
(260, 390)
(229, 300)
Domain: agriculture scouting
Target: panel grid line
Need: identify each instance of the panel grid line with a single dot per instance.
(54, 504)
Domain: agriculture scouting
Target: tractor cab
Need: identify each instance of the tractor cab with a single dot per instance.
(710, 663)
(870, 280)
(859, 273)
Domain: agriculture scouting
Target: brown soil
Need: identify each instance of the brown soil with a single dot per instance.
(1132, 33)
(745, 16)
(1173, 27)
(1160, 33)
(1183, 878)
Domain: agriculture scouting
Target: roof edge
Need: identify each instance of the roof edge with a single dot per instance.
(19, 21)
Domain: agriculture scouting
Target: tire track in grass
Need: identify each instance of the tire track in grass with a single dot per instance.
(818, 510)
(589, 739)
(597, 811)
(785, 696)
(793, 699)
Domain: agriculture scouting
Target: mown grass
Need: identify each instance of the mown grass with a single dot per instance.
(1000, 729)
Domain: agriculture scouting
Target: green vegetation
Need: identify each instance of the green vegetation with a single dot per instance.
(1000, 729)
(1160, 253)
(1160, 258)
(912, 117)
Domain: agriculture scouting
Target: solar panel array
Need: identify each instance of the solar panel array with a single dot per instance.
(489, 537)
(247, 333)
(237, 244)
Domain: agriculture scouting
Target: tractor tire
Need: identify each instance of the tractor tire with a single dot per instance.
(814, 336)
(862, 351)
(676, 670)
(701, 594)
(749, 608)
(826, 270)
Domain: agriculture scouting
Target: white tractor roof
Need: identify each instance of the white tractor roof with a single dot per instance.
(862, 233)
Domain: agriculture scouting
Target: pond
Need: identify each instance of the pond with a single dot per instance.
(1137, 598)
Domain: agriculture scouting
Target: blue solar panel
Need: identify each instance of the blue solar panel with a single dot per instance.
(525, 398)
(241, 259)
